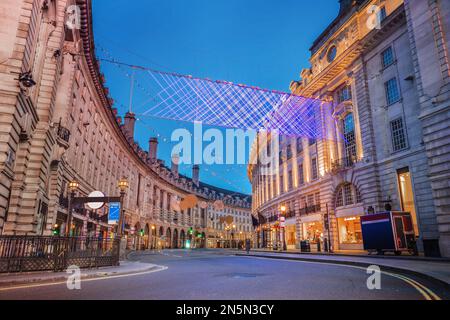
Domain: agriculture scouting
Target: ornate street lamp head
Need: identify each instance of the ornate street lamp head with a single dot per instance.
(123, 184)
(283, 208)
(73, 185)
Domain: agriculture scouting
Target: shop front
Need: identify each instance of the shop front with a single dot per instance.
(349, 228)
(312, 231)
(290, 233)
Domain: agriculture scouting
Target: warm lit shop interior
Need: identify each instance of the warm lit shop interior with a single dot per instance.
(350, 231)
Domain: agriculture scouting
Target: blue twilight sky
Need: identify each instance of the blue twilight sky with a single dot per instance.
(260, 43)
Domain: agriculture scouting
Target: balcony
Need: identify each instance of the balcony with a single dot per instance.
(343, 164)
(63, 136)
(310, 209)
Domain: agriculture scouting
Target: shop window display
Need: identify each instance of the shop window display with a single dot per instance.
(350, 230)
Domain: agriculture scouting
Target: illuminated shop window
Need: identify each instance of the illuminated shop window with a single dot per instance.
(350, 230)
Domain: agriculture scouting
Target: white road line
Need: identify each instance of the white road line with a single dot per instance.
(427, 293)
(161, 268)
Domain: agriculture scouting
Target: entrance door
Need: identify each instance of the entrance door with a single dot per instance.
(407, 196)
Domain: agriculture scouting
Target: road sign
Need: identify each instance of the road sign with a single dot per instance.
(114, 212)
(95, 205)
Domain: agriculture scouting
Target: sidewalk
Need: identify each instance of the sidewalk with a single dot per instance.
(432, 268)
(126, 267)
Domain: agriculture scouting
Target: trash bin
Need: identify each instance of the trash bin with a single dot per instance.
(305, 246)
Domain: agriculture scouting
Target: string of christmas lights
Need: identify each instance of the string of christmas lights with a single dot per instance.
(225, 104)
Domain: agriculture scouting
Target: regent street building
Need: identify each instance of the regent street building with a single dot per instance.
(387, 135)
(58, 125)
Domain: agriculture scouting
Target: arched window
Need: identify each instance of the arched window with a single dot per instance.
(349, 138)
(347, 194)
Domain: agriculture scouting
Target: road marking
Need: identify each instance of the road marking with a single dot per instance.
(26, 286)
(427, 293)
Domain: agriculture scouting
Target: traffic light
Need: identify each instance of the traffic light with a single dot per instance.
(55, 230)
(141, 232)
(191, 231)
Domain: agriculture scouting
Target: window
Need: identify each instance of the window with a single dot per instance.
(398, 135)
(392, 92)
(339, 198)
(281, 184)
(315, 173)
(299, 145)
(301, 176)
(331, 55)
(349, 138)
(346, 195)
(312, 141)
(382, 14)
(344, 94)
(387, 57)
(290, 180)
(289, 152)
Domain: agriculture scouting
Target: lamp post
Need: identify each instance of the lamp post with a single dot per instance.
(232, 235)
(73, 186)
(153, 237)
(283, 213)
(123, 186)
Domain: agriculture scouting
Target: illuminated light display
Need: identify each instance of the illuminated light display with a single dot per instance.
(225, 104)
(229, 105)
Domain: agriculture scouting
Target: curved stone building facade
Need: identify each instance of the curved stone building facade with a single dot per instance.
(388, 86)
(58, 124)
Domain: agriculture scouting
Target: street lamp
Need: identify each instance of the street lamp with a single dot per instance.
(232, 236)
(123, 186)
(283, 212)
(73, 186)
(153, 236)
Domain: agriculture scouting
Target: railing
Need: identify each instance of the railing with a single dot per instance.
(42, 253)
(343, 163)
(63, 133)
(310, 209)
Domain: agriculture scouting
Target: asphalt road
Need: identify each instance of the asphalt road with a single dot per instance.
(206, 274)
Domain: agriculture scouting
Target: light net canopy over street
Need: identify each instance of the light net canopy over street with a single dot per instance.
(225, 104)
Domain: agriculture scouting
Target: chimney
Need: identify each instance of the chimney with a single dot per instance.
(347, 5)
(195, 174)
(152, 150)
(130, 119)
(175, 162)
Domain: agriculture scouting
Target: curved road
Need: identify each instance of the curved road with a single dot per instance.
(214, 274)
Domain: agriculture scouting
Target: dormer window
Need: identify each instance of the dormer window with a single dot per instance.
(331, 55)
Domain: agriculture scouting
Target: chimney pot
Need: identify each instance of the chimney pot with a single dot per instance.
(175, 163)
(153, 150)
(196, 174)
(130, 120)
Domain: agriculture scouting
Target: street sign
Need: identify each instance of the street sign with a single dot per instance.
(114, 212)
(95, 205)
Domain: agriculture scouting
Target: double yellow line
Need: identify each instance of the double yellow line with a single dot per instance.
(424, 291)
(427, 293)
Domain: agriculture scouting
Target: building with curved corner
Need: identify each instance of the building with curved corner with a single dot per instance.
(58, 124)
(384, 68)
